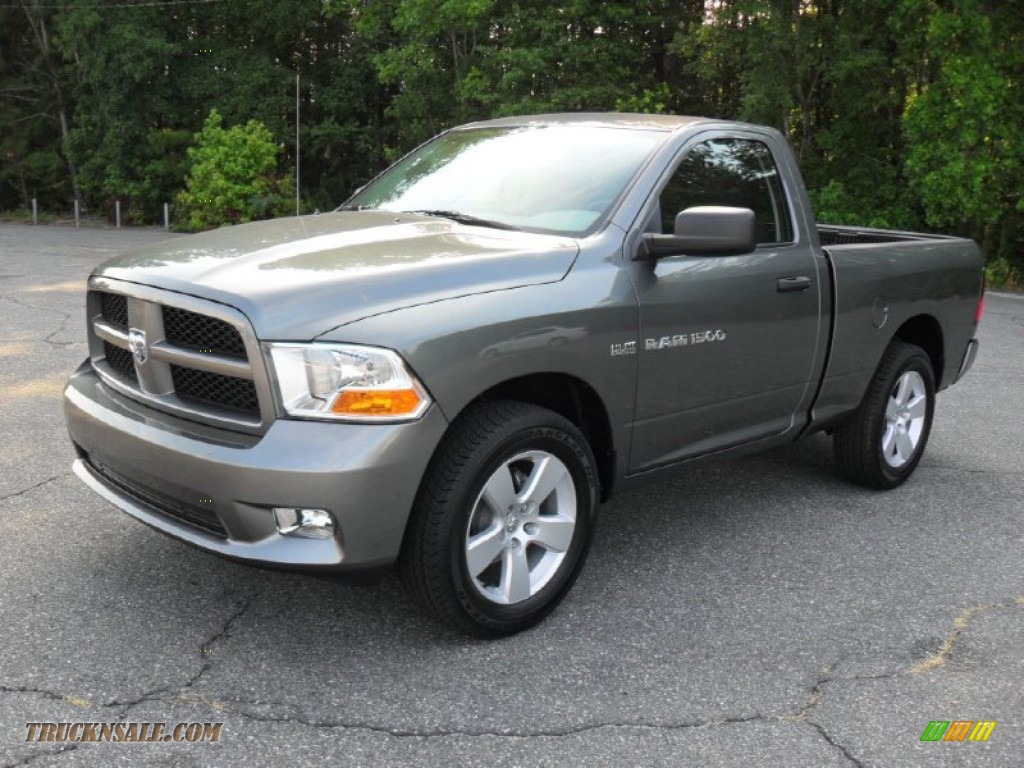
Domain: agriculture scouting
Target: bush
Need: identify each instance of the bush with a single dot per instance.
(233, 177)
(1000, 272)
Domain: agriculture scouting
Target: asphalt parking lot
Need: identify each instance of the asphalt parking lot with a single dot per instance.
(759, 612)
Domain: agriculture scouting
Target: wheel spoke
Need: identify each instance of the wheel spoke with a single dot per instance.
(515, 575)
(499, 493)
(547, 473)
(554, 532)
(904, 389)
(888, 439)
(904, 446)
(917, 407)
(483, 549)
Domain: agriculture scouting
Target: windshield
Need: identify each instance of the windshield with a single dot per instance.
(555, 178)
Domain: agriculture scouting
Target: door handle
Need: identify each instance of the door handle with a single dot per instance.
(787, 284)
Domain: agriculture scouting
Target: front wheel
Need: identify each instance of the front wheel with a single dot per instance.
(880, 446)
(503, 521)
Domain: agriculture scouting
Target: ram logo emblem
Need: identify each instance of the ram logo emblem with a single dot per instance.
(137, 344)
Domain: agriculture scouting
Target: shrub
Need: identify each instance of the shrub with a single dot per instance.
(234, 176)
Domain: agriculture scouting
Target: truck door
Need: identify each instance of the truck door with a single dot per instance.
(727, 343)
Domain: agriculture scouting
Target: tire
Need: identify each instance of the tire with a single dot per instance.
(483, 552)
(882, 443)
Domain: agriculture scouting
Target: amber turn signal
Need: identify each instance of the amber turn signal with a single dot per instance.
(377, 402)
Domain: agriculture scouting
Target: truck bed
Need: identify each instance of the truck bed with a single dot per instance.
(834, 235)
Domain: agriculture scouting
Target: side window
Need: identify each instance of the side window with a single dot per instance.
(734, 172)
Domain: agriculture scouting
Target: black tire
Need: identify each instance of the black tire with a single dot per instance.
(858, 443)
(480, 448)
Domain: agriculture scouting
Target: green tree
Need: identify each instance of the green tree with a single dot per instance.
(461, 60)
(833, 76)
(35, 110)
(966, 127)
(233, 177)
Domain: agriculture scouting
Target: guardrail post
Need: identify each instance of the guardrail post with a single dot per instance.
(117, 214)
(167, 216)
(76, 213)
(35, 211)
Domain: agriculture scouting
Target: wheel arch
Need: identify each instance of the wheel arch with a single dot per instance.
(575, 400)
(925, 332)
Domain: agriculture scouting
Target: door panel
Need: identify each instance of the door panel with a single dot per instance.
(726, 343)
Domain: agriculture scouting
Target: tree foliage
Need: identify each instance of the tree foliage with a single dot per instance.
(904, 113)
(233, 178)
(966, 158)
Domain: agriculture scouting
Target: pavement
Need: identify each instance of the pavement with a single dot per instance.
(756, 612)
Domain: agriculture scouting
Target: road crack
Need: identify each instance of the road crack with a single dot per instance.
(153, 694)
(831, 740)
(41, 483)
(67, 698)
(48, 753)
(242, 709)
(803, 715)
(945, 652)
(222, 633)
(161, 692)
(48, 339)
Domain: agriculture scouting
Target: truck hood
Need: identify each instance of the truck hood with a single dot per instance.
(298, 278)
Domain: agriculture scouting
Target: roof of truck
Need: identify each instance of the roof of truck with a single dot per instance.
(607, 119)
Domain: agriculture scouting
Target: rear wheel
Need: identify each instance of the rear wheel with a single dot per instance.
(880, 446)
(504, 520)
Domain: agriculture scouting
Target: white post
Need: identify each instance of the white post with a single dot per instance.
(35, 211)
(167, 216)
(297, 207)
(117, 213)
(76, 212)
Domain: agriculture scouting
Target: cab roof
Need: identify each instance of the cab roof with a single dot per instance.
(599, 119)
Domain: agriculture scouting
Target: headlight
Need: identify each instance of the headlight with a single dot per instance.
(346, 382)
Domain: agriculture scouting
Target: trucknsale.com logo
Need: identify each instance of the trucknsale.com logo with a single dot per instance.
(958, 730)
(123, 732)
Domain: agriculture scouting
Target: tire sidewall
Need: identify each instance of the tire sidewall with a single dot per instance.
(572, 451)
(912, 359)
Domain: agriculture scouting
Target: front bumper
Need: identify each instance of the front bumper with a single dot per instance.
(215, 488)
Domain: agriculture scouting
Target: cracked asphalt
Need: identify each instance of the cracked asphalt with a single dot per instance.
(759, 612)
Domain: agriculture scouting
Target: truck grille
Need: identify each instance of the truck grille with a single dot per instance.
(114, 309)
(186, 361)
(202, 332)
(120, 360)
(215, 389)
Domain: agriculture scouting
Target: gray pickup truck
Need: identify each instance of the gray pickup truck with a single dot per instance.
(451, 370)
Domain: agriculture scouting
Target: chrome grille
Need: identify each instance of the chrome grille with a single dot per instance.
(194, 358)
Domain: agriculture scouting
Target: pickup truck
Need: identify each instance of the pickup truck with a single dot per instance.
(450, 371)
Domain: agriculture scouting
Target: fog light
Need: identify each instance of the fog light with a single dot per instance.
(304, 523)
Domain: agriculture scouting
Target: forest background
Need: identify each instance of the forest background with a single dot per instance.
(906, 114)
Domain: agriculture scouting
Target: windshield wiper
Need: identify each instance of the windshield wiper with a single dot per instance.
(465, 218)
(355, 208)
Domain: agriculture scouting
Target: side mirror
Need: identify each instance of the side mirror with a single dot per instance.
(707, 230)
